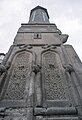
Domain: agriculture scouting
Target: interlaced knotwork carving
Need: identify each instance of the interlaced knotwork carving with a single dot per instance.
(19, 76)
(54, 81)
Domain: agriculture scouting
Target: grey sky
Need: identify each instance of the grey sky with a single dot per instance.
(66, 14)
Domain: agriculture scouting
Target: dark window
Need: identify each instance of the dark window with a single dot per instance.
(37, 35)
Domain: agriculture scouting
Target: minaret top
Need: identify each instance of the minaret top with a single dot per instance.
(39, 15)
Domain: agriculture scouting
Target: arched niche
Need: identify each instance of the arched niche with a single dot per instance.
(55, 88)
(17, 81)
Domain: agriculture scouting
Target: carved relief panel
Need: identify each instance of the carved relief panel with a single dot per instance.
(17, 81)
(55, 86)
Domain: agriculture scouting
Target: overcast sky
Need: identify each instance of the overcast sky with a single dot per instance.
(66, 14)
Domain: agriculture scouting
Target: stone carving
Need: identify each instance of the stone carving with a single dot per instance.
(68, 68)
(2, 69)
(19, 75)
(8, 65)
(52, 46)
(64, 38)
(36, 68)
(25, 46)
(54, 82)
(54, 111)
(15, 113)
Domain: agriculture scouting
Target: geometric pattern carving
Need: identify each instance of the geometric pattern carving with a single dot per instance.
(19, 76)
(54, 82)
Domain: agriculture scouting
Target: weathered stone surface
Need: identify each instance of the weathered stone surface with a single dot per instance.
(55, 111)
(40, 78)
(55, 87)
(20, 73)
(57, 118)
(39, 15)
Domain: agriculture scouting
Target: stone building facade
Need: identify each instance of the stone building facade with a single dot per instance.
(40, 77)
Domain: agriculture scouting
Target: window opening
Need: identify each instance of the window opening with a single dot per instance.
(37, 35)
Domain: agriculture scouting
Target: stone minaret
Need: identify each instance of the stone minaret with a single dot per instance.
(40, 77)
